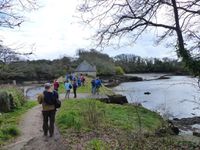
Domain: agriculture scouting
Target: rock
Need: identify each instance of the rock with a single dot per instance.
(196, 134)
(186, 121)
(117, 99)
(175, 119)
(175, 130)
(147, 93)
(163, 77)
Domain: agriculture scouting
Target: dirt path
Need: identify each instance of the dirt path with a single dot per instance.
(32, 138)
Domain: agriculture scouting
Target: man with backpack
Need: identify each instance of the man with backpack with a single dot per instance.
(98, 85)
(49, 101)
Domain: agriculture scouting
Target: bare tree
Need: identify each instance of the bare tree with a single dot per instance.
(11, 15)
(174, 20)
(8, 55)
(11, 11)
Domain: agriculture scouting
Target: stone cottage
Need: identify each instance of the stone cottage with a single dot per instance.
(86, 69)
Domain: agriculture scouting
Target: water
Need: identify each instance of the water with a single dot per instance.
(177, 97)
(33, 92)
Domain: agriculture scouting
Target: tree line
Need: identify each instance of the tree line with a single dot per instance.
(49, 69)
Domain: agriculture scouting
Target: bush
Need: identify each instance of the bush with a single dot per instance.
(92, 115)
(4, 102)
(10, 98)
(119, 70)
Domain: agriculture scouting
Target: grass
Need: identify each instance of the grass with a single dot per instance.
(95, 121)
(91, 124)
(9, 122)
(114, 116)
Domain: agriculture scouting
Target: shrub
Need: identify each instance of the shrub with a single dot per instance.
(119, 70)
(14, 96)
(4, 102)
(92, 115)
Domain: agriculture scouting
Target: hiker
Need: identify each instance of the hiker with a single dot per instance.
(93, 86)
(48, 101)
(55, 85)
(97, 85)
(68, 87)
(82, 80)
(67, 76)
(74, 85)
(79, 81)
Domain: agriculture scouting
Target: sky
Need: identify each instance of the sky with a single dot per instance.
(54, 31)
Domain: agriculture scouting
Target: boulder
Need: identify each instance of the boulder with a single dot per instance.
(147, 93)
(117, 99)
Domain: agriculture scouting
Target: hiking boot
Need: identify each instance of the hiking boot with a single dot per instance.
(45, 134)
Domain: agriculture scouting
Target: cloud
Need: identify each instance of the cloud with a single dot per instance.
(54, 31)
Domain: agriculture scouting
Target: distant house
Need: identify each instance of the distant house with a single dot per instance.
(86, 69)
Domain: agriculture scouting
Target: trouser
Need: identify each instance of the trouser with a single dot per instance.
(94, 90)
(74, 92)
(67, 94)
(48, 116)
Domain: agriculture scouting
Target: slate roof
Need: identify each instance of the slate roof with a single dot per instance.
(85, 67)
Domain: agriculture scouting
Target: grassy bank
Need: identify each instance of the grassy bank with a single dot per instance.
(90, 123)
(9, 122)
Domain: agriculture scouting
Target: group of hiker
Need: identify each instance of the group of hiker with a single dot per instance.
(50, 98)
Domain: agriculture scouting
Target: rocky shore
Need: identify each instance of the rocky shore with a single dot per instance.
(112, 81)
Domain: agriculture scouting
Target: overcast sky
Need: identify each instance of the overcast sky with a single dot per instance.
(54, 31)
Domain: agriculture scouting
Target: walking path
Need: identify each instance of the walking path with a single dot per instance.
(32, 138)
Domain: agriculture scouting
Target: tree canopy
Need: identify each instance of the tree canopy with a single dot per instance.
(175, 20)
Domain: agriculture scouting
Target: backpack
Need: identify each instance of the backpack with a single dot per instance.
(57, 101)
(51, 98)
(70, 86)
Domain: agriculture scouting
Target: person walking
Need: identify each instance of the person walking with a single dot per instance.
(98, 85)
(93, 86)
(82, 80)
(68, 87)
(48, 101)
(74, 85)
(55, 85)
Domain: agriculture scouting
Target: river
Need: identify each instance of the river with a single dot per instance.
(177, 97)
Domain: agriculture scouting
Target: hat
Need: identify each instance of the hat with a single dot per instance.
(47, 85)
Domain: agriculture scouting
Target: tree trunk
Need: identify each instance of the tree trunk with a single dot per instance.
(182, 52)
